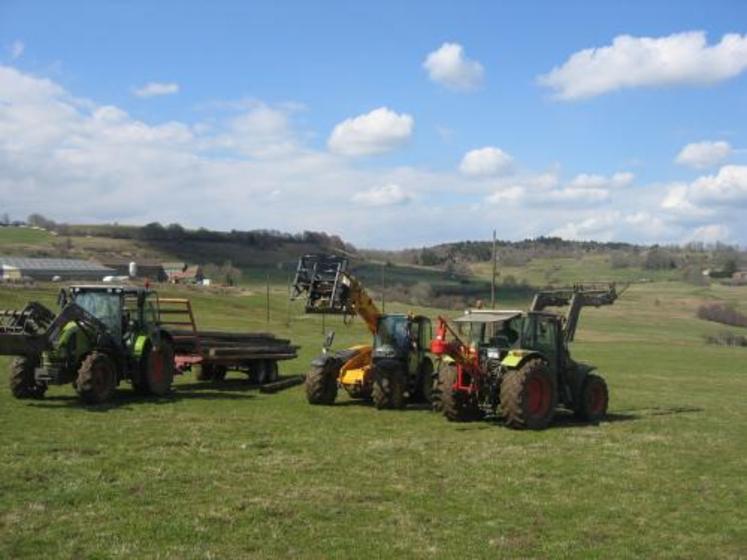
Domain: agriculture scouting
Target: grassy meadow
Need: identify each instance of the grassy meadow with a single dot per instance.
(223, 471)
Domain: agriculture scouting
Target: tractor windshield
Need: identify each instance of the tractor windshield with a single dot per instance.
(473, 332)
(393, 331)
(106, 307)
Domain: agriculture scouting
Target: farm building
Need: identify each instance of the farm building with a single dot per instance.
(153, 270)
(48, 269)
(183, 273)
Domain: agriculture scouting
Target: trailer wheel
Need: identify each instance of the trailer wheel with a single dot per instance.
(321, 382)
(594, 399)
(389, 387)
(97, 378)
(456, 405)
(204, 372)
(271, 371)
(219, 373)
(159, 373)
(529, 396)
(23, 385)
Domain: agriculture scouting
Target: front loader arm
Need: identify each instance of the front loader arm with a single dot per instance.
(576, 297)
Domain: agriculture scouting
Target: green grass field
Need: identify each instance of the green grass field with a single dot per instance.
(222, 471)
(17, 237)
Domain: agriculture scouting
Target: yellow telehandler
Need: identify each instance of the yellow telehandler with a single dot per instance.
(395, 368)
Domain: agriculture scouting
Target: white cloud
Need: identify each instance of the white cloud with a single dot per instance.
(701, 155)
(16, 49)
(153, 89)
(616, 225)
(710, 233)
(376, 132)
(506, 195)
(579, 195)
(387, 195)
(449, 66)
(708, 195)
(680, 58)
(486, 162)
(591, 181)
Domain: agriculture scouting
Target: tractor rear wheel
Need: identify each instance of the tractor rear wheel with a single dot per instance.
(97, 378)
(23, 385)
(457, 406)
(594, 399)
(529, 396)
(389, 386)
(321, 383)
(159, 372)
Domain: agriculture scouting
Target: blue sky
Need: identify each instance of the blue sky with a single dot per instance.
(251, 95)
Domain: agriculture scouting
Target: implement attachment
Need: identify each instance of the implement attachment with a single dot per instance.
(326, 283)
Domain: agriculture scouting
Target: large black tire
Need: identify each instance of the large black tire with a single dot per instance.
(529, 396)
(97, 378)
(159, 372)
(436, 394)
(425, 387)
(389, 387)
(592, 406)
(456, 405)
(321, 383)
(23, 385)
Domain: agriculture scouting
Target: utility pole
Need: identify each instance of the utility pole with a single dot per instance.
(492, 284)
(383, 289)
(289, 301)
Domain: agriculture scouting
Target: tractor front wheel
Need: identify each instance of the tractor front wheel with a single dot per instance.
(529, 396)
(389, 387)
(592, 406)
(97, 378)
(457, 405)
(23, 385)
(321, 383)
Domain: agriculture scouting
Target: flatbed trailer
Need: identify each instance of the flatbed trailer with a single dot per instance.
(216, 352)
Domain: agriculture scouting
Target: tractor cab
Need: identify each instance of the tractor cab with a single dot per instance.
(122, 309)
(490, 332)
(404, 338)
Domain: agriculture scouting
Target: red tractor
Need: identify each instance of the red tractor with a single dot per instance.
(518, 363)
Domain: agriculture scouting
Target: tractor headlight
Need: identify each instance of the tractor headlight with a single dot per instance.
(494, 353)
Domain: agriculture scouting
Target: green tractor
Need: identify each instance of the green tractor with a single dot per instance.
(103, 334)
(518, 363)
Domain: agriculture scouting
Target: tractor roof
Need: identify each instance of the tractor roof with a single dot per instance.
(109, 288)
(487, 315)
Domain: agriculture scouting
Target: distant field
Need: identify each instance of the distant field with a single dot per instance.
(221, 471)
(544, 271)
(15, 236)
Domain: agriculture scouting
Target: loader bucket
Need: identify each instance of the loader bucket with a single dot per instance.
(24, 332)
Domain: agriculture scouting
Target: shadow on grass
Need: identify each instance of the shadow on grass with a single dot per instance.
(124, 399)
(566, 419)
(368, 403)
